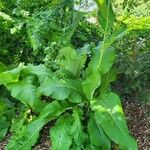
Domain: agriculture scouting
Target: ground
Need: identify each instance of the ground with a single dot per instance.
(138, 123)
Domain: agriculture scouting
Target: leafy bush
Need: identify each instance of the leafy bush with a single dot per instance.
(86, 33)
(31, 27)
(134, 66)
(14, 47)
(75, 93)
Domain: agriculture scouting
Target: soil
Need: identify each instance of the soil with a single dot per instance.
(138, 123)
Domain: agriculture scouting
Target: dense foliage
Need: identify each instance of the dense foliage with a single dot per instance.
(57, 66)
(134, 66)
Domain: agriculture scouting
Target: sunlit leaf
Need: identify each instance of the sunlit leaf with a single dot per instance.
(109, 115)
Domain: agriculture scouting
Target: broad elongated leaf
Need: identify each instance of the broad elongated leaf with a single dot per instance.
(107, 60)
(52, 110)
(106, 14)
(98, 138)
(27, 136)
(77, 131)
(91, 83)
(93, 65)
(102, 63)
(25, 91)
(60, 134)
(109, 115)
(61, 89)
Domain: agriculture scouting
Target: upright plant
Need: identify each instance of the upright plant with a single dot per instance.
(87, 114)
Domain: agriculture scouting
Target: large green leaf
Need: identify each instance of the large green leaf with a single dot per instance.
(93, 65)
(39, 71)
(77, 130)
(60, 134)
(98, 138)
(28, 134)
(62, 89)
(9, 76)
(101, 61)
(27, 137)
(23, 71)
(108, 57)
(72, 61)
(106, 14)
(50, 111)
(109, 115)
(22, 82)
(91, 83)
(24, 91)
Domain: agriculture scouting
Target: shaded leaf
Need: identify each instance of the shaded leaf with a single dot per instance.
(27, 137)
(62, 89)
(72, 62)
(106, 80)
(4, 125)
(91, 83)
(60, 134)
(98, 138)
(2, 67)
(28, 134)
(77, 131)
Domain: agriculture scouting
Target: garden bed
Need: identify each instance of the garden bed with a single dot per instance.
(138, 123)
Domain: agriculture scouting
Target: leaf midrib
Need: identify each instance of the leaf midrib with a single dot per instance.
(115, 121)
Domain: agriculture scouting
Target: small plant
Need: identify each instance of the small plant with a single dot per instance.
(87, 114)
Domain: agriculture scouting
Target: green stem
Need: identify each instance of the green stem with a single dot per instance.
(104, 39)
